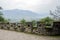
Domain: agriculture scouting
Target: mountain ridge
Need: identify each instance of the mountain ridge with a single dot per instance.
(18, 14)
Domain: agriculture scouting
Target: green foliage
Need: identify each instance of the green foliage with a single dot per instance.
(23, 21)
(2, 19)
(47, 20)
(34, 22)
(0, 11)
(6, 20)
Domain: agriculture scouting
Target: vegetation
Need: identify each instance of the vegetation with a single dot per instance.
(23, 21)
(2, 19)
(1, 8)
(47, 20)
(34, 22)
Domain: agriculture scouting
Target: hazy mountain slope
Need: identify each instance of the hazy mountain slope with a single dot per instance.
(16, 15)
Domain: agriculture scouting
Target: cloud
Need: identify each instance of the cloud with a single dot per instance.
(33, 5)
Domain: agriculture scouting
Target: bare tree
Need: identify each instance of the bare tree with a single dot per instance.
(56, 13)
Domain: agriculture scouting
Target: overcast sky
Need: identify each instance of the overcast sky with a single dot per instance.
(39, 6)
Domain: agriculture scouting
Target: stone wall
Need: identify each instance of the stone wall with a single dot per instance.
(56, 28)
(40, 29)
(29, 27)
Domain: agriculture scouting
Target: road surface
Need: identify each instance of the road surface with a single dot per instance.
(12, 35)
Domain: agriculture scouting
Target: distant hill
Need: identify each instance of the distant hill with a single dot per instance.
(17, 14)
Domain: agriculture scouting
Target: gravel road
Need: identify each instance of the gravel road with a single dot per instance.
(12, 35)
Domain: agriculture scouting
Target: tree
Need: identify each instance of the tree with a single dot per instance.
(23, 21)
(47, 20)
(2, 19)
(56, 13)
(34, 22)
(0, 11)
(1, 8)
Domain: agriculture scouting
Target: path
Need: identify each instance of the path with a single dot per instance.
(12, 35)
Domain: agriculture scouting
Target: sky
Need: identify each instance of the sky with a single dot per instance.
(38, 6)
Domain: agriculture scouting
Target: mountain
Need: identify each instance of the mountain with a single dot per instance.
(17, 14)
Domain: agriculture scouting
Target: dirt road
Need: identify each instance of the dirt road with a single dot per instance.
(11, 35)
